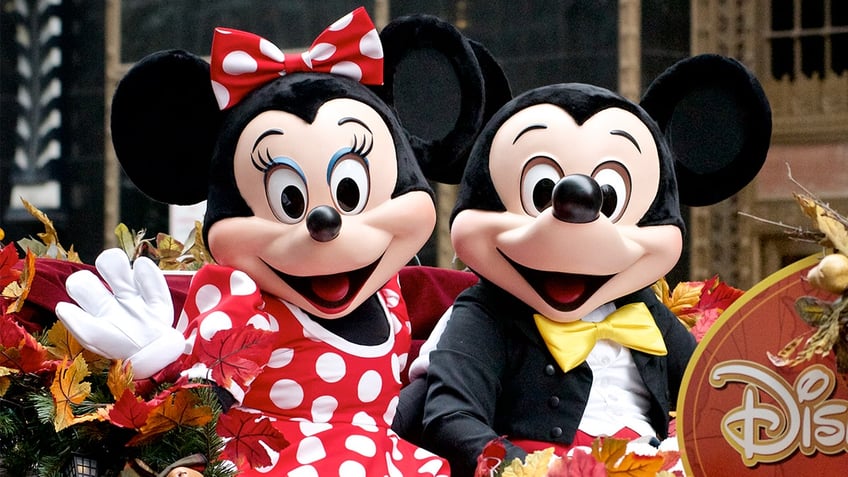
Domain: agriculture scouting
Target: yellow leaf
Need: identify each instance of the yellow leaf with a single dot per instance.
(169, 251)
(834, 230)
(20, 289)
(49, 236)
(62, 344)
(69, 388)
(5, 382)
(126, 240)
(685, 295)
(808, 205)
(2, 234)
(119, 379)
(608, 450)
(535, 465)
(73, 256)
(661, 290)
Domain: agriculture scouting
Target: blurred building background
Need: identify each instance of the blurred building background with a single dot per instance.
(60, 61)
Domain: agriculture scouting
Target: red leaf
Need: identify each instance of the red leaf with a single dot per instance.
(717, 295)
(130, 411)
(8, 258)
(579, 464)
(246, 431)
(235, 355)
(19, 349)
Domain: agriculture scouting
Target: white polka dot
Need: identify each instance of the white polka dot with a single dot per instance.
(241, 284)
(208, 296)
(348, 69)
(271, 51)
(275, 325)
(286, 394)
(259, 322)
(238, 63)
(310, 450)
(222, 95)
(213, 323)
(303, 471)
(350, 468)
(307, 60)
(402, 361)
(392, 298)
(397, 455)
(370, 386)
(431, 467)
(322, 51)
(341, 23)
(391, 410)
(396, 368)
(309, 428)
(421, 454)
(370, 45)
(361, 445)
(323, 408)
(365, 422)
(393, 470)
(330, 367)
(280, 357)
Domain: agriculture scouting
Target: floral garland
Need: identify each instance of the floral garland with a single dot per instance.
(59, 399)
(697, 305)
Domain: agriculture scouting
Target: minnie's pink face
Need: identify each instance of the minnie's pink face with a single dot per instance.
(565, 268)
(326, 233)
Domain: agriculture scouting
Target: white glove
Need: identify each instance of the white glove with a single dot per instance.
(133, 322)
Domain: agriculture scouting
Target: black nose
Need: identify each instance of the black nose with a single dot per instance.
(324, 223)
(577, 199)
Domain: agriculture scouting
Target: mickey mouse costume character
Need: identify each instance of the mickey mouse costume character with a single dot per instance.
(568, 211)
(315, 201)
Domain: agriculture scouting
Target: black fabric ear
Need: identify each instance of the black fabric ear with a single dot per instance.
(164, 123)
(443, 87)
(717, 121)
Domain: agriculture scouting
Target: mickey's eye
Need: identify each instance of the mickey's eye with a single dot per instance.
(615, 187)
(285, 188)
(540, 176)
(350, 184)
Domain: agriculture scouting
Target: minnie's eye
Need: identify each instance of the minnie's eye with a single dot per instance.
(615, 187)
(537, 184)
(285, 189)
(350, 184)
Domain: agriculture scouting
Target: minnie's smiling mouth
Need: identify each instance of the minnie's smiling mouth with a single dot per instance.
(329, 293)
(562, 291)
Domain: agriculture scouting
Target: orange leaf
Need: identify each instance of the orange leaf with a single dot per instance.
(608, 450)
(120, 379)
(62, 344)
(69, 388)
(20, 289)
(634, 465)
(178, 409)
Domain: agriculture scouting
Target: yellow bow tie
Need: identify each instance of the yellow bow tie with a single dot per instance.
(631, 325)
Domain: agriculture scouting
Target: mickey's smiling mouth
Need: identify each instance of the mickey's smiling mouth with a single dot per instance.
(329, 293)
(562, 291)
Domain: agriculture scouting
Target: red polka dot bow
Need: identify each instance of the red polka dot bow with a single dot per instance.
(242, 61)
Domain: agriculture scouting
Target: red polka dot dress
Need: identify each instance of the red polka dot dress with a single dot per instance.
(332, 400)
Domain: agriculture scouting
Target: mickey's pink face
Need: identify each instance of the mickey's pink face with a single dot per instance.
(326, 233)
(566, 264)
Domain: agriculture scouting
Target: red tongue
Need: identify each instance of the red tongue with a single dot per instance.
(562, 289)
(331, 288)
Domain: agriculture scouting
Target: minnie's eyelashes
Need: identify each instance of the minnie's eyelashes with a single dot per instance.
(263, 163)
(361, 149)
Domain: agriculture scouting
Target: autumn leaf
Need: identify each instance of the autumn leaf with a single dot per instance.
(130, 411)
(170, 251)
(608, 450)
(535, 465)
(579, 464)
(832, 227)
(119, 380)
(635, 465)
(5, 383)
(69, 388)
(246, 433)
(235, 356)
(19, 350)
(19, 290)
(8, 259)
(178, 409)
(49, 236)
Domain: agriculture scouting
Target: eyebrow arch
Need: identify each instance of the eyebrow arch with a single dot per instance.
(354, 120)
(626, 135)
(528, 129)
(270, 132)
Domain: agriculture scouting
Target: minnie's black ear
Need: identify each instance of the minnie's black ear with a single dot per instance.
(165, 120)
(444, 88)
(717, 121)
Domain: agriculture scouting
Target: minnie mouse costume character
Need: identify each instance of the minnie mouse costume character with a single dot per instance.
(568, 211)
(315, 201)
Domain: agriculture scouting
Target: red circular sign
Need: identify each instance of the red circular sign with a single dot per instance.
(739, 414)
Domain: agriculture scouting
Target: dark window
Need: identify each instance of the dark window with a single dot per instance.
(814, 31)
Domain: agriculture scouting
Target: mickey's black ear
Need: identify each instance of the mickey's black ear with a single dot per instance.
(717, 121)
(164, 123)
(444, 88)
